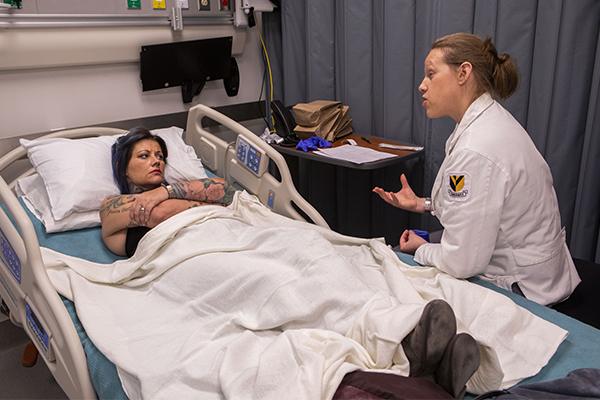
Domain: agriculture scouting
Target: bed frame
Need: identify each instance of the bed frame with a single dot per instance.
(24, 284)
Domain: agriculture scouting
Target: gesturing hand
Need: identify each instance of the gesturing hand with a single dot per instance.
(404, 199)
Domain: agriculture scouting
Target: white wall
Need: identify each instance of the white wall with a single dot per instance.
(40, 99)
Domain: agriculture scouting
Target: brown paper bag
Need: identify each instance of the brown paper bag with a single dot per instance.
(342, 125)
(342, 118)
(321, 130)
(328, 120)
(344, 130)
(314, 113)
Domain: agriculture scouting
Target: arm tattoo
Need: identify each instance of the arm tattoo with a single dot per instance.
(115, 205)
(178, 191)
(210, 191)
(193, 204)
(219, 192)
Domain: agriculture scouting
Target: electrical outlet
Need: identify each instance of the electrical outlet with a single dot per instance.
(224, 5)
(204, 5)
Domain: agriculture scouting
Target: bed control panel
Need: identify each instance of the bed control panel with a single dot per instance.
(9, 257)
(250, 156)
(39, 333)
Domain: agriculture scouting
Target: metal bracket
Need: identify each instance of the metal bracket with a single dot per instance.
(176, 19)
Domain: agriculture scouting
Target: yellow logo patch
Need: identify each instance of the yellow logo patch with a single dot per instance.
(457, 182)
(458, 186)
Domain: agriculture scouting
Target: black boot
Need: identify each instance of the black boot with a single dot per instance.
(459, 363)
(425, 345)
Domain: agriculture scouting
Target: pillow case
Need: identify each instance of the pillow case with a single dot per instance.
(182, 163)
(77, 173)
(33, 192)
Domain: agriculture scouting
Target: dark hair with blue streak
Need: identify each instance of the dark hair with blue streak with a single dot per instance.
(121, 153)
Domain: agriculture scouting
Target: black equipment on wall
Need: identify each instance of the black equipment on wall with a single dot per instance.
(232, 84)
(189, 64)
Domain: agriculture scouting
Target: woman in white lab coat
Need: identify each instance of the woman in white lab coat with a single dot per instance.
(493, 194)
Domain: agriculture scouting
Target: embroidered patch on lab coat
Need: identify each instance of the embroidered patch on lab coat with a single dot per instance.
(458, 186)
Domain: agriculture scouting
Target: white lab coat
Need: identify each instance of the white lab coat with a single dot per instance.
(495, 198)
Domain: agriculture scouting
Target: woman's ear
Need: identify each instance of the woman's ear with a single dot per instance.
(465, 71)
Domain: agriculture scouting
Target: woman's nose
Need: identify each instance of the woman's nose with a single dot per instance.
(422, 87)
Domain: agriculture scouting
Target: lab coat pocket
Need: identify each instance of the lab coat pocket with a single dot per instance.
(532, 255)
(546, 273)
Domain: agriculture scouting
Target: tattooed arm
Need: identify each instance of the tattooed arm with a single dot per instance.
(115, 217)
(209, 190)
(118, 213)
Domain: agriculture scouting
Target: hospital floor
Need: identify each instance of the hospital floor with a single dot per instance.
(16, 381)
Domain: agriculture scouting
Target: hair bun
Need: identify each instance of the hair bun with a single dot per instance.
(503, 58)
(490, 51)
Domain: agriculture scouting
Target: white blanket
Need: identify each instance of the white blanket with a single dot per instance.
(240, 302)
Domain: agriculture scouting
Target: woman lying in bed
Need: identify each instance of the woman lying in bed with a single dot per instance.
(138, 161)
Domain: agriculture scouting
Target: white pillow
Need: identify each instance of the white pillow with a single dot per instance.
(182, 163)
(77, 173)
(33, 192)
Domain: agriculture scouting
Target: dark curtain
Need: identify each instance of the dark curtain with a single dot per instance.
(370, 54)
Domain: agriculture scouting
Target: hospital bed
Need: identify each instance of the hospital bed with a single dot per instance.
(249, 164)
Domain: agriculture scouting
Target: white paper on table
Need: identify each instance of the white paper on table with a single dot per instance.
(354, 154)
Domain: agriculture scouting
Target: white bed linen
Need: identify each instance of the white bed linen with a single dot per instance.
(245, 303)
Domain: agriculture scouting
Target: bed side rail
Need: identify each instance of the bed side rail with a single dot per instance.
(244, 164)
(25, 287)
